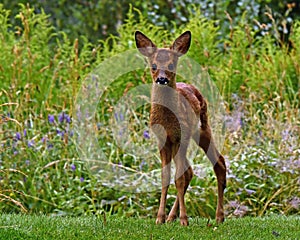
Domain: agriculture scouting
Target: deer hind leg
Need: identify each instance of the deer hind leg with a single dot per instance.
(166, 155)
(206, 142)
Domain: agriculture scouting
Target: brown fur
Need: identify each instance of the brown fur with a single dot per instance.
(178, 113)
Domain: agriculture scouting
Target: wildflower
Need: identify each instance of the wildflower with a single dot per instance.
(240, 211)
(73, 167)
(24, 132)
(285, 135)
(71, 134)
(119, 117)
(30, 143)
(67, 118)
(44, 139)
(27, 162)
(116, 116)
(51, 119)
(50, 145)
(78, 115)
(60, 133)
(61, 117)
(143, 163)
(64, 117)
(18, 136)
(146, 134)
(233, 204)
(295, 202)
(81, 179)
(250, 191)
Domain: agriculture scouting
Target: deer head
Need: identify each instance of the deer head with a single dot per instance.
(163, 61)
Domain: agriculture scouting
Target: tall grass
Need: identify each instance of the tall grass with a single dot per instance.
(40, 76)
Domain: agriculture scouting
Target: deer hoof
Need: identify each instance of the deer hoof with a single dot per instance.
(184, 221)
(160, 220)
(171, 218)
(220, 219)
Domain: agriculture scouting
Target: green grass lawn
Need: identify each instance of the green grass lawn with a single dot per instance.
(43, 227)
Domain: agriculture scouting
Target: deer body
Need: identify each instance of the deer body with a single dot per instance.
(178, 114)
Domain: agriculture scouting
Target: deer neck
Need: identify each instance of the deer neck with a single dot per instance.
(164, 100)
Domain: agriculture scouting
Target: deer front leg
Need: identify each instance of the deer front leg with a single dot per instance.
(165, 154)
(183, 177)
(173, 213)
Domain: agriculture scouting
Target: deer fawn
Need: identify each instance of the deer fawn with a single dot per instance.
(178, 113)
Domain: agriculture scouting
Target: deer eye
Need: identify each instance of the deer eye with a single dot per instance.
(171, 66)
(154, 67)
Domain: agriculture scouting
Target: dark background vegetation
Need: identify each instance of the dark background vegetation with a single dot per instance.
(98, 19)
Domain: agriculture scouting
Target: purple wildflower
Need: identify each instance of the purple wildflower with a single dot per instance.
(27, 162)
(64, 117)
(233, 204)
(67, 118)
(73, 167)
(81, 179)
(146, 134)
(61, 117)
(285, 135)
(295, 202)
(116, 116)
(143, 163)
(30, 143)
(49, 146)
(79, 115)
(60, 133)
(119, 117)
(250, 191)
(71, 134)
(51, 119)
(44, 139)
(240, 211)
(24, 132)
(18, 136)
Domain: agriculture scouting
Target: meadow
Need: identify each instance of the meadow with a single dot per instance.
(20, 226)
(43, 73)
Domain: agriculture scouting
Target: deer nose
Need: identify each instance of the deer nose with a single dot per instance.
(162, 80)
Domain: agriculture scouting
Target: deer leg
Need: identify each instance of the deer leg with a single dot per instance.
(206, 142)
(173, 213)
(165, 154)
(183, 177)
(220, 171)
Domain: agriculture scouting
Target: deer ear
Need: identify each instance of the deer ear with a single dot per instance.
(182, 44)
(144, 44)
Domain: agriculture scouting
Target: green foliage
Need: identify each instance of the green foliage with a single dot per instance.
(99, 19)
(42, 70)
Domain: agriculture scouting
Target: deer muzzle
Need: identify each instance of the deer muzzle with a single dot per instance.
(162, 81)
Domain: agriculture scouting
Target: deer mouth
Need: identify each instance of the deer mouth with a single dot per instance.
(162, 81)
